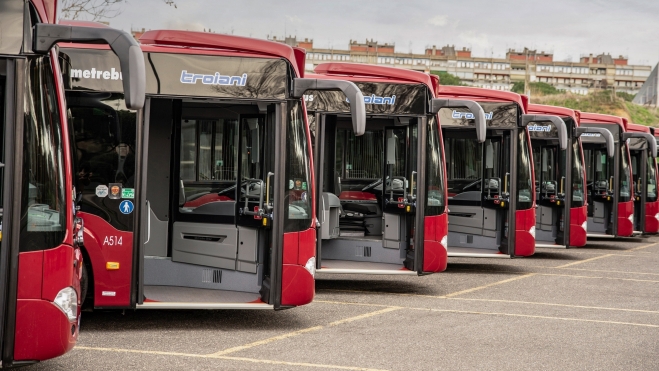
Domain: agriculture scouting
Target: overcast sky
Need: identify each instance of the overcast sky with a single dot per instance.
(569, 28)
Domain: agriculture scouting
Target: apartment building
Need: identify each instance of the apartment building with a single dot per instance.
(591, 72)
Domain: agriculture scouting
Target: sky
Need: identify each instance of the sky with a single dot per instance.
(568, 28)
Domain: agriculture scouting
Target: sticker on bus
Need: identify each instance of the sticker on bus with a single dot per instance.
(128, 193)
(126, 207)
(102, 190)
(115, 191)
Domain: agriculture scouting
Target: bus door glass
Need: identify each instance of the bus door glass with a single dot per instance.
(651, 182)
(578, 191)
(638, 165)
(547, 189)
(599, 177)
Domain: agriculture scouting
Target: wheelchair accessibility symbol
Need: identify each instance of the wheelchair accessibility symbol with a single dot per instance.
(126, 207)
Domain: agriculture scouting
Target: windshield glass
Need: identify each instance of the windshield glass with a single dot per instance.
(298, 172)
(43, 201)
(103, 152)
(625, 174)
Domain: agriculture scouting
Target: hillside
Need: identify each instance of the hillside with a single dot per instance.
(602, 102)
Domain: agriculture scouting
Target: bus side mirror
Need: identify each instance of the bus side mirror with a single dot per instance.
(652, 142)
(122, 44)
(351, 91)
(608, 137)
(475, 108)
(557, 121)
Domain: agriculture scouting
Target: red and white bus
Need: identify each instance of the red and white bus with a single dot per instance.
(561, 220)
(490, 185)
(40, 259)
(610, 203)
(643, 153)
(383, 195)
(205, 199)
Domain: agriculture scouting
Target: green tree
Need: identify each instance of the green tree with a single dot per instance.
(518, 87)
(446, 78)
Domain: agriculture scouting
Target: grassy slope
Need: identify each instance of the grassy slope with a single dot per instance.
(603, 102)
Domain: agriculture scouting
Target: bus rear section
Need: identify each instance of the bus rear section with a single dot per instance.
(643, 151)
(382, 195)
(40, 232)
(609, 179)
(491, 196)
(561, 215)
(208, 202)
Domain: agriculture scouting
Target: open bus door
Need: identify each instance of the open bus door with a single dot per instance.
(643, 151)
(560, 180)
(610, 203)
(383, 203)
(40, 234)
(219, 204)
(549, 140)
(491, 197)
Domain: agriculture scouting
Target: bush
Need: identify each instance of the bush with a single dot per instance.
(537, 88)
(626, 96)
(446, 78)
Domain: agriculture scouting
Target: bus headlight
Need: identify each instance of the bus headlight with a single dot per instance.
(67, 301)
(311, 266)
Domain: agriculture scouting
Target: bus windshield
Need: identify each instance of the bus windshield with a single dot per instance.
(298, 172)
(43, 208)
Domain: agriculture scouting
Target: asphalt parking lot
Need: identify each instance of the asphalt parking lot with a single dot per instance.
(591, 308)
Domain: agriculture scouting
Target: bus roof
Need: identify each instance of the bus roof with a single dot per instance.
(598, 118)
(554, 110)
(635, 128)
(373, 73)
(480, 94)
(236, 44)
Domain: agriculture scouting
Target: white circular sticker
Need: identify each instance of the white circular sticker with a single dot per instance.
(101, 191)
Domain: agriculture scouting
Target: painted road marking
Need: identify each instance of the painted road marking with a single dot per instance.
(584, 261)
(643, 247)
(488, 285)
(228, 358)
(303, 331)
(497, 313)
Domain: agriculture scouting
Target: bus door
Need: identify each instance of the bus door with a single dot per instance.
(209, 234)
(608, 180)
(369, 228)
(489, 184)
(11, 111)
(367, 214)
(638, 155)
(549, 142)
(642, 150)
(400, 145)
